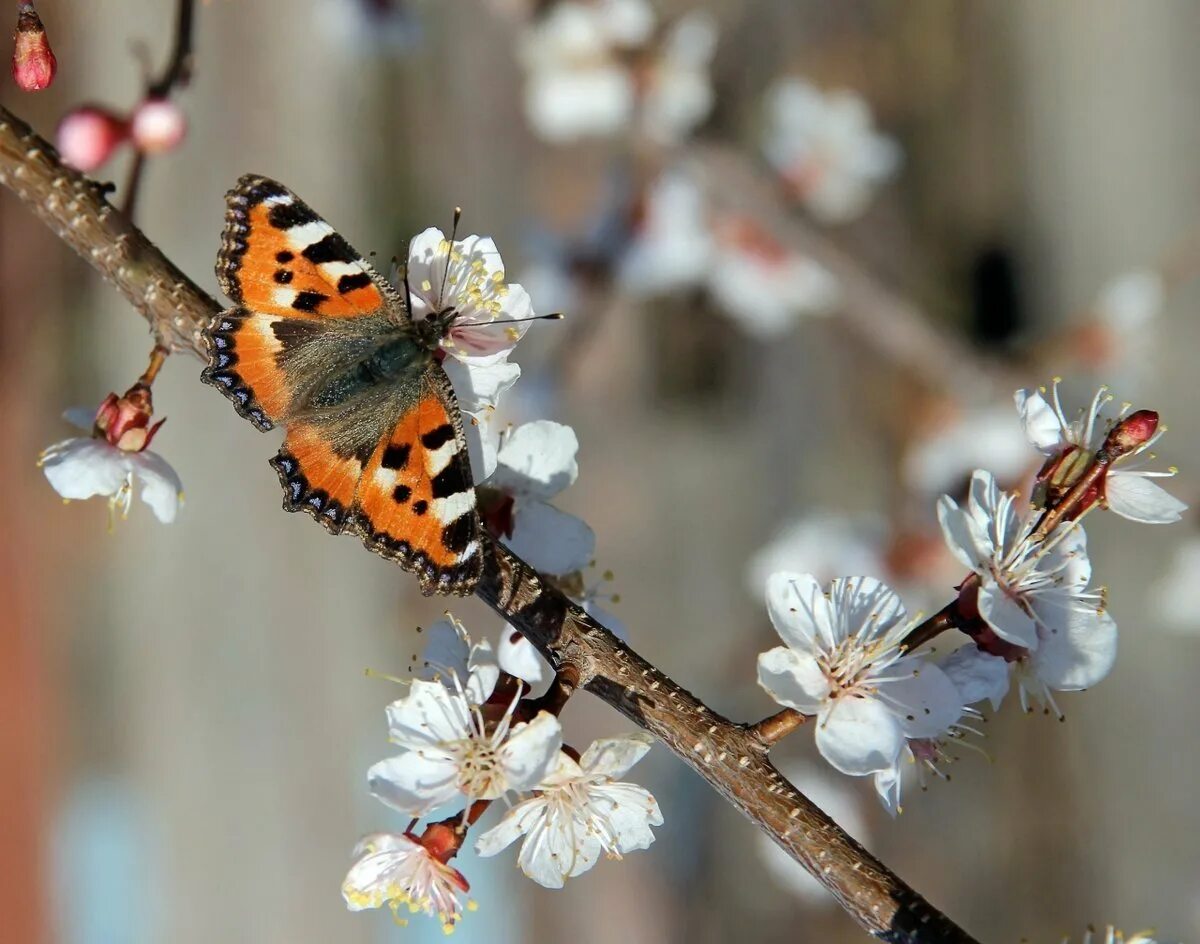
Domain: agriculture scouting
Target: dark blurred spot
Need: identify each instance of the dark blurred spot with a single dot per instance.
(996, 315)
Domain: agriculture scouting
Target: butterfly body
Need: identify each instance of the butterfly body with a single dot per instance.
(319, 343)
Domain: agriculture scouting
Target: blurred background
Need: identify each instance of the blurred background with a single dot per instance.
(806, 252)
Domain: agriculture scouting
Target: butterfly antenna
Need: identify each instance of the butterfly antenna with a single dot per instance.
(407, 288)
(449, 254)
(553, 316)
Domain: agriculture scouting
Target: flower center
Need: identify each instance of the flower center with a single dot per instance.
(847, 668)
(479, 773)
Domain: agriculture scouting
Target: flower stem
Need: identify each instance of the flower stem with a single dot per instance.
(157, 357)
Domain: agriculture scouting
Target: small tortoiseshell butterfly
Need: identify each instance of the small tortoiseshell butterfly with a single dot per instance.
(318, 342)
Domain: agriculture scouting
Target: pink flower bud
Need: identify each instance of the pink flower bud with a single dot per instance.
(1133, 431)
(157, 126)
(88, 136)
(125, 421)
(33, 62)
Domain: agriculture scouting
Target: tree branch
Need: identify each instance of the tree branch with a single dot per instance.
(731, 757)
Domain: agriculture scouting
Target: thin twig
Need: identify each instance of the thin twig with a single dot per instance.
(176, 74)
(731, 757)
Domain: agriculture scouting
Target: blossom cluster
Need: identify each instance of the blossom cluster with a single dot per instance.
(854, 660)
(605, 67)
(470, 735)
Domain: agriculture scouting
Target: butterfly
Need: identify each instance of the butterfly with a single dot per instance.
(318, 342)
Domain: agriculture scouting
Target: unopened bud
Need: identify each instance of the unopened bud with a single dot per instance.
(33, 62)
(88, 136)
(157, 126)
(1133, 431)
(125, 421)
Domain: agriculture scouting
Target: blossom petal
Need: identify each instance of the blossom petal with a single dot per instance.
(1078, 654)
(378, 857)
(514, 824)
(161, 487)
(428, 253)
(415, 783)
(1137, 498)
(631, 811)
(959, 535)
(1006, 617)
(887, 785)
(429, 714)
(537, 460)
(550, 540)
(84, 467)
(554, 853)
(446, 652)
(859, 736)
(1041, 424)
(794, 679)
(977, 675)
(1069, 558)
(485, 341)
(519, 657)
(926, 701)
(530, 751)
(799, 611)
(83, 417)
(867, 607)
(484, 673)
(612, 757)
(477, 387)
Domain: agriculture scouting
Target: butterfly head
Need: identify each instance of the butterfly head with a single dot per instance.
(434, 328)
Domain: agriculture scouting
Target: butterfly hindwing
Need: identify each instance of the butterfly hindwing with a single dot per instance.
(316, 479)
(416, 499)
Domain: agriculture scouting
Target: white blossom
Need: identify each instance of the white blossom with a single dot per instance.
(88, 466)
(452, 750)
(673, 247)
(844, 663)
(397, 870)
(490, 317)
(940, 459)
(1024, 585)
(576, 84)
(1032, 593)
(676, 90)
(535, 462)
(764, 285)
(599, 68)
(826, 148)
(821, 544)
(579, 811)
(1131, 301)
(1128, 487)
(467, 276)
